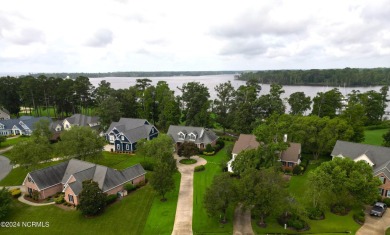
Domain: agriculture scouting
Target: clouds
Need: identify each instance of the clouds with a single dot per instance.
(101, 38)
(94, 36)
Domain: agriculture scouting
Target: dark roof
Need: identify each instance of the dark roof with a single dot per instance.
(29, 121)
(203, 135)
(245, 142)
(49, 176)
(377, 154)
(82, 120)
(107, 178)
(133, 128)
(292, 153)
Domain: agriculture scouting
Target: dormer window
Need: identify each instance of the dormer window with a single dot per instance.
(181, 136)
(122, 138)
(1, 126)
(192, 136)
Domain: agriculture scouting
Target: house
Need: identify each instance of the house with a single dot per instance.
(79, 120)
(199, 135)
(125, 134)
(20, 126)
(377, 157)
(244, 142)
(291, 156)
(4, 114)
(67, 177)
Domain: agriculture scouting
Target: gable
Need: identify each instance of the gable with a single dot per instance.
(364, 157)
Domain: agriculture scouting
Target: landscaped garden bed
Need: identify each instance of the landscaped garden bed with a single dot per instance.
(188, 161)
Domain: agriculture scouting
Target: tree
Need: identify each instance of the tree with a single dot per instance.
(162, 179)
(343, 181)
(168, 109)
(195, 104)
(187, 149)
(108, 111)
(373, 105)
(129, 101)
(80, 142)
(299, 103)
(272, 103)
(327, 104)
(386, 139)
(9, 98)
(354, 114)
(5, 202)
(246, 160)
(92, 199)
(219, 196)
(264, 192)
(223, 104)
(42, 129)
(2, 139)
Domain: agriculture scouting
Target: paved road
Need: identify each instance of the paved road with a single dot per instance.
(183, 218)
(242, 224)
(375, 225)
(5, 167)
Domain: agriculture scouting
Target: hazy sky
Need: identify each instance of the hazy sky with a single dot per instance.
(142, 35)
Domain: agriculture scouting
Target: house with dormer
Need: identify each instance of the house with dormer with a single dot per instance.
(199, 135)
(377, 157)
(4, 114)
(20, 126)
(67, 177)
(76, 120)
(124, 134)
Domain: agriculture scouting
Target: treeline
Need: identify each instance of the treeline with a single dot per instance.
(323, 77)
(240, 110)
(136, 74)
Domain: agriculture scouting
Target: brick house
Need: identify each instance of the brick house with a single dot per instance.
(199, 135)
(377, 157)
(68, 176)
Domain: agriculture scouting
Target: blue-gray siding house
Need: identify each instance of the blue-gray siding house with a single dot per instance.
(125, 134)
(20, 126)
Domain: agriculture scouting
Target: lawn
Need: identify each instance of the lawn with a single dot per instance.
(162, 214)
(332, 223)
(13, 141)
(374, 137)
(127, 216)
(201, 222)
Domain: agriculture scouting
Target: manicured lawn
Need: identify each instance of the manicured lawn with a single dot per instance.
(162, 214)
(127, 216)
(374, 137)
(201, 222)
(388, 231)
(12, 141)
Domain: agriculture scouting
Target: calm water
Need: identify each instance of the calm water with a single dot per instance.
(211, 81)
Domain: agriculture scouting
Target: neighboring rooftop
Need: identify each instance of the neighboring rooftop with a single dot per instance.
(203, 135)
(292, 153)
(245, 142)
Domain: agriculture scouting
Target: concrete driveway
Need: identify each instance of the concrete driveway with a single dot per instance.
(5, 167)
(242, 224)
(375, 225)
(183, 218)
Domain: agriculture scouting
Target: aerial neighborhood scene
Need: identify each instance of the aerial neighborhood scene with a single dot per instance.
(195, 117)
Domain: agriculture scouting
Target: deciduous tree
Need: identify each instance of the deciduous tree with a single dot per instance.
(187, 149)
(223, 104)
(299, 103)
(5, 202)
(162, 179)
(92, 199)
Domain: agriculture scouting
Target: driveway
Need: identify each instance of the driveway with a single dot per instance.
(5, 167)
(375, 225)
(242, 224)
(183, 218)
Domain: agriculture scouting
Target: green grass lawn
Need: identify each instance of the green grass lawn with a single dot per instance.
(162, 214)
(374, 137)
(127, 216)
(13, 141)
(201, 222)
(388, 231)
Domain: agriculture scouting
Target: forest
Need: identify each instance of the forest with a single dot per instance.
(349, 77)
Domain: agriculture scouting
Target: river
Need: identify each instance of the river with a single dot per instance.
(210, 81)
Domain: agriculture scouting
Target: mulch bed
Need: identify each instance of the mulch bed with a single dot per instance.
(67, 208)
(38, 201)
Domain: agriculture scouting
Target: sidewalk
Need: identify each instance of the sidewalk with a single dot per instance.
(183, 218)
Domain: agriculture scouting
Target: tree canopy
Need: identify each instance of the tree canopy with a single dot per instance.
(92, 199)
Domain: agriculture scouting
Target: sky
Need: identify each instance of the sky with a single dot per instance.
(126, 35)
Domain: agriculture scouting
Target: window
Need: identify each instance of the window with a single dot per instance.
(127, 147)
(181, 136)
(192, 137)
(29, 179)
(122, 138)
(118, 146)
(387, 193)
(380, 191)
(382, 179)
(290, 164)
(70, 198)
(67, 126)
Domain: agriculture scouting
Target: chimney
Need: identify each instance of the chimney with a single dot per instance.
(285, 138)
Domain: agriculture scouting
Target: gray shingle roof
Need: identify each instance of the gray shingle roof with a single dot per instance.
(378, 155)
(133, 128)
(107, 178)
(82, 120)
(29, 121)
(203, 135)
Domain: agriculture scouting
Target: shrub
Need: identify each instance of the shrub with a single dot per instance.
(35, 195)
(220, 143)
(149, 166)
(209, 148)
(142, 183)
(340, 209)
(111, 199)
(129, 187)
(296, 223)
(209, 153)
(297, 170)
(359, 217)
(315, 214)
(65, 203)
(60, 199)
(199, 168)
(287, 171)
(386, 201)
(15, 192)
